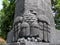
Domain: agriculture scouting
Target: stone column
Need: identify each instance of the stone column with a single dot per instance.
(42, 8)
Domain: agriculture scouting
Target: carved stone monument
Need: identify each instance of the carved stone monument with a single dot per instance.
(33, 21)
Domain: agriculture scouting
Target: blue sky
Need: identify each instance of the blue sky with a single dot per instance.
(1, 4)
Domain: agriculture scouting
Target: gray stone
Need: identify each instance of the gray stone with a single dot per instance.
(44, 12)
(10, 36)
(25, 29)
(35, 29)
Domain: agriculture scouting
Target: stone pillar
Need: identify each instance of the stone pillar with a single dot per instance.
(42, 7)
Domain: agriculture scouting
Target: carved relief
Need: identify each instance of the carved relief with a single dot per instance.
(31, 25)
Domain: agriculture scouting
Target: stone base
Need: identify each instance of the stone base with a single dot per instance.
(31, 43)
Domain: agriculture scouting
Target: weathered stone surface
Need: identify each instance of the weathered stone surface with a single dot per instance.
(35, 43)
(41, 7)
(57, 37)
(10, 36)
(35, 29)
(19, 8)
(25, 29)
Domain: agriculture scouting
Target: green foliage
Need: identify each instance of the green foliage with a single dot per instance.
(57, 9)
(7, 16)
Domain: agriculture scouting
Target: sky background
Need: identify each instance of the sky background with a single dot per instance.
(1, 4)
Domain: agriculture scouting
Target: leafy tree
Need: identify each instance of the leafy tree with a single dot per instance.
(7, 14)
(56, 4)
